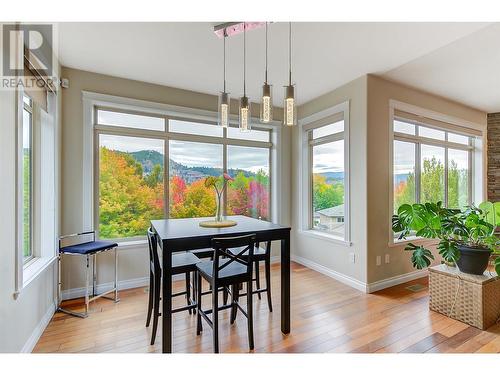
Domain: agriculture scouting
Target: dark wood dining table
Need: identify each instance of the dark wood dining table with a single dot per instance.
(176, 235)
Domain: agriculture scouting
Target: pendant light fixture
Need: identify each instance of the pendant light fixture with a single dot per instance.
(224, 100)
(266, 105)
(244, 111)
(289, 107)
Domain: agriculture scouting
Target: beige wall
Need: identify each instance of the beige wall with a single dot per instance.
(133, 261)
(332, 256)
(379, 174)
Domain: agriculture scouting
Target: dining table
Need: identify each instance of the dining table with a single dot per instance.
(178, 235)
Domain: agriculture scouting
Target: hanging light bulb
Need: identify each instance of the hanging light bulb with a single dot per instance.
(224, 99)
(244, 112)
(266, 105)
(289, 106)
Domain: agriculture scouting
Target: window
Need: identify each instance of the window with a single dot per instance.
(131, 190)
(249, 193)
(327, 181)
(431, 165)
(130, 120)
(27, 178)
(136, 153)
(190, 163)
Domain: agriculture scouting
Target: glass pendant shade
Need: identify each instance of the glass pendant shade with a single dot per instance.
(266, 105)
(244, 114)
(224, 109)
(289, 107)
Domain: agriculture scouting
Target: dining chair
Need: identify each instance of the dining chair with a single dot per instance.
(182, 263)
(227, 270)
(261, 255)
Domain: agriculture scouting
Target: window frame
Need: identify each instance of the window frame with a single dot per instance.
(474, 132)
(167, 136)
(29, 108)
(308, 124)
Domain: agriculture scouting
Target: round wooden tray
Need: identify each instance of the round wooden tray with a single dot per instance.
(217, 224)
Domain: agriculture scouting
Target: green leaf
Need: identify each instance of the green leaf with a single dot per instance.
(421, 257)
(488, 211)
(448, 250)
(497, 265)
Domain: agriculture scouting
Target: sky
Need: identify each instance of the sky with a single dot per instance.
(328, 157)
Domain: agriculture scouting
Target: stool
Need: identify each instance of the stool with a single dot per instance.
(87, 249)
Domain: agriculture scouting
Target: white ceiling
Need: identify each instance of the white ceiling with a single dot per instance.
(455, 60)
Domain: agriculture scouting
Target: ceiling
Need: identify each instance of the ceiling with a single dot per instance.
(454, 60)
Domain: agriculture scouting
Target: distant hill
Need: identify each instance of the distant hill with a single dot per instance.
(148, 158)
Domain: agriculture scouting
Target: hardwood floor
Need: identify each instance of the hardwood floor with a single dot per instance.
(327, 316)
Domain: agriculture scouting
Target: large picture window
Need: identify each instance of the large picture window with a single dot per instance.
(431, 164)
(137, 152)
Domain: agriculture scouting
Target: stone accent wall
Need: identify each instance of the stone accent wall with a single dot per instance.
(494, 157)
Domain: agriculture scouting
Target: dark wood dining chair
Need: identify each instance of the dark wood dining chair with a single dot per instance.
(227, 270)
(261, 255)
(182, 263)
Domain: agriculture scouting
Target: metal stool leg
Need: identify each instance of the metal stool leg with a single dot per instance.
(94, 275)
(116, 275)
(87, 297)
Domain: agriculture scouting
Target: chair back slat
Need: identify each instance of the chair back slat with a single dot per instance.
(222, 245)
(154, 259)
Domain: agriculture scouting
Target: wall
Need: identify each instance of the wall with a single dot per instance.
(22, 320)
(133, 261)
(494, 157)
(379, 175)
(324, 255)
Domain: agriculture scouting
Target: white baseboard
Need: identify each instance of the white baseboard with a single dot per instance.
(37, 332)
(359, 285)
(396, 280)
(356, 284)
(101, 288)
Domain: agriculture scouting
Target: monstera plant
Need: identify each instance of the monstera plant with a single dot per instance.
(466, 237)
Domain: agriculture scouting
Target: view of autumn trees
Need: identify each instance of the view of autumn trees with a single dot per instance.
(432, 185)
(326, 195)
(130, 198)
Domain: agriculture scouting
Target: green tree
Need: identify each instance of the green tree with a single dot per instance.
(326, 195)
(432, 185)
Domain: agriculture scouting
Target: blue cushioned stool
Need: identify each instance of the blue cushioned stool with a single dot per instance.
(89, 249)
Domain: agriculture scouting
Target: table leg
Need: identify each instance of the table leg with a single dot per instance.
(285, 284)
(166, 314)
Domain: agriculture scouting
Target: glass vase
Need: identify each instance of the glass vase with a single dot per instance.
(218, 207)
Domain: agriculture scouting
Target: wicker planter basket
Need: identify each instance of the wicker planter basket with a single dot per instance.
(472, 299)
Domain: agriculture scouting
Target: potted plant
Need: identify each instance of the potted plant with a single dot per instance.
(466, 237)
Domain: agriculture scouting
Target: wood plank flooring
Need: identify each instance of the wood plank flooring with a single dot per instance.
(327, 316)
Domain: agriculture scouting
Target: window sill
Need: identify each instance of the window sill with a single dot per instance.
(35, 267)
(413, 239)
(325, 236)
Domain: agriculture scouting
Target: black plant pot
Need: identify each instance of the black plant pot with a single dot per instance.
(473, 260)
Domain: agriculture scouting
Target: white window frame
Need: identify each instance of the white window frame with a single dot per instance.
(28, 108)
(307, 124)
(43, 216)
(93, 101)
(475, 132)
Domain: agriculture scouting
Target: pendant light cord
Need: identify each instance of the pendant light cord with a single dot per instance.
(290, 52)
(225, 60)
(266, 55)
(244, 57)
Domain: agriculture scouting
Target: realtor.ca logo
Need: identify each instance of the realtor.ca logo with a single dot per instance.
(27, 56)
